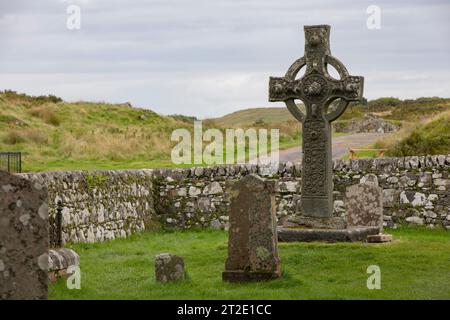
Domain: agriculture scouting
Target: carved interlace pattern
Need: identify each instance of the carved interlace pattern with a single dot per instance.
(314, 160)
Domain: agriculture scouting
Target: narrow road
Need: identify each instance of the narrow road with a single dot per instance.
(340, 146)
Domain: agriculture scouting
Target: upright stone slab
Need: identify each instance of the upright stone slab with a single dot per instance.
(252, 243)
(23, 238)
(364, 205)
(317, 89)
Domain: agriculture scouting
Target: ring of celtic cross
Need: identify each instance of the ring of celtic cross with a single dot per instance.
(317, 89)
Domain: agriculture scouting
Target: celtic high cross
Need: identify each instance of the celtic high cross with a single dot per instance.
(317, 89)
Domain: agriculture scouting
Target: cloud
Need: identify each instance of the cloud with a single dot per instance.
(208, 58)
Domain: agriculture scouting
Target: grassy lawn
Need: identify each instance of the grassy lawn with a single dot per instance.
(70, 165)
(415, 266)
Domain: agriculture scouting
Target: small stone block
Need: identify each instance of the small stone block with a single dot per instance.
(379, 238)
(59, 261)
(169, 267)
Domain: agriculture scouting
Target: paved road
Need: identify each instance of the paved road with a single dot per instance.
(340, 146)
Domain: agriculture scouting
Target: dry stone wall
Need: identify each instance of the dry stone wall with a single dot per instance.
(416, 190)
(99, 205)
(103, 205)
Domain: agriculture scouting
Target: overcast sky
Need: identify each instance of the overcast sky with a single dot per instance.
(211, 57)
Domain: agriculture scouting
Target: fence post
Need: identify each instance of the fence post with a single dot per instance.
(59, 224)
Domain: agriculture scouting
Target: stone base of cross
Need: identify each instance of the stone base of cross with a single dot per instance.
(317, 89)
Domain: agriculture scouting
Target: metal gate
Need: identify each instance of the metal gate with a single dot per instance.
(11, 161)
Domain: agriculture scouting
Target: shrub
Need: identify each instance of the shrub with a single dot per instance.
(13, 137)
(30, 100)
(46, 113)
(36, 136)
(381, 103)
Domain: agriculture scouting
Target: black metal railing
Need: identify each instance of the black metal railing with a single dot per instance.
(11, 161)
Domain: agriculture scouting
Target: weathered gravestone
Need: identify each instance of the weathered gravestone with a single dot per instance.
(317, 89)
(364, 205)
(252, 243)
(23, 238)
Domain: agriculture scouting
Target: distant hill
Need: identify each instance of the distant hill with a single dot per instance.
(389, 108)
(248, 117)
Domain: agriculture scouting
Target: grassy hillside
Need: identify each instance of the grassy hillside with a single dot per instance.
(425, 125)
(429, 137)
(53, 134)
(56, 135)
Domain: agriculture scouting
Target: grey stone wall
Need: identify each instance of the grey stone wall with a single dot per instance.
(416, 190)
(104, 205)
(98, 205)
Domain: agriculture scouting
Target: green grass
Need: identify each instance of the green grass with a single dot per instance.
(414, 266)
(70, 164)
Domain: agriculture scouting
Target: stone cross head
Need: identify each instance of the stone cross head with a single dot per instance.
(316, 88)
